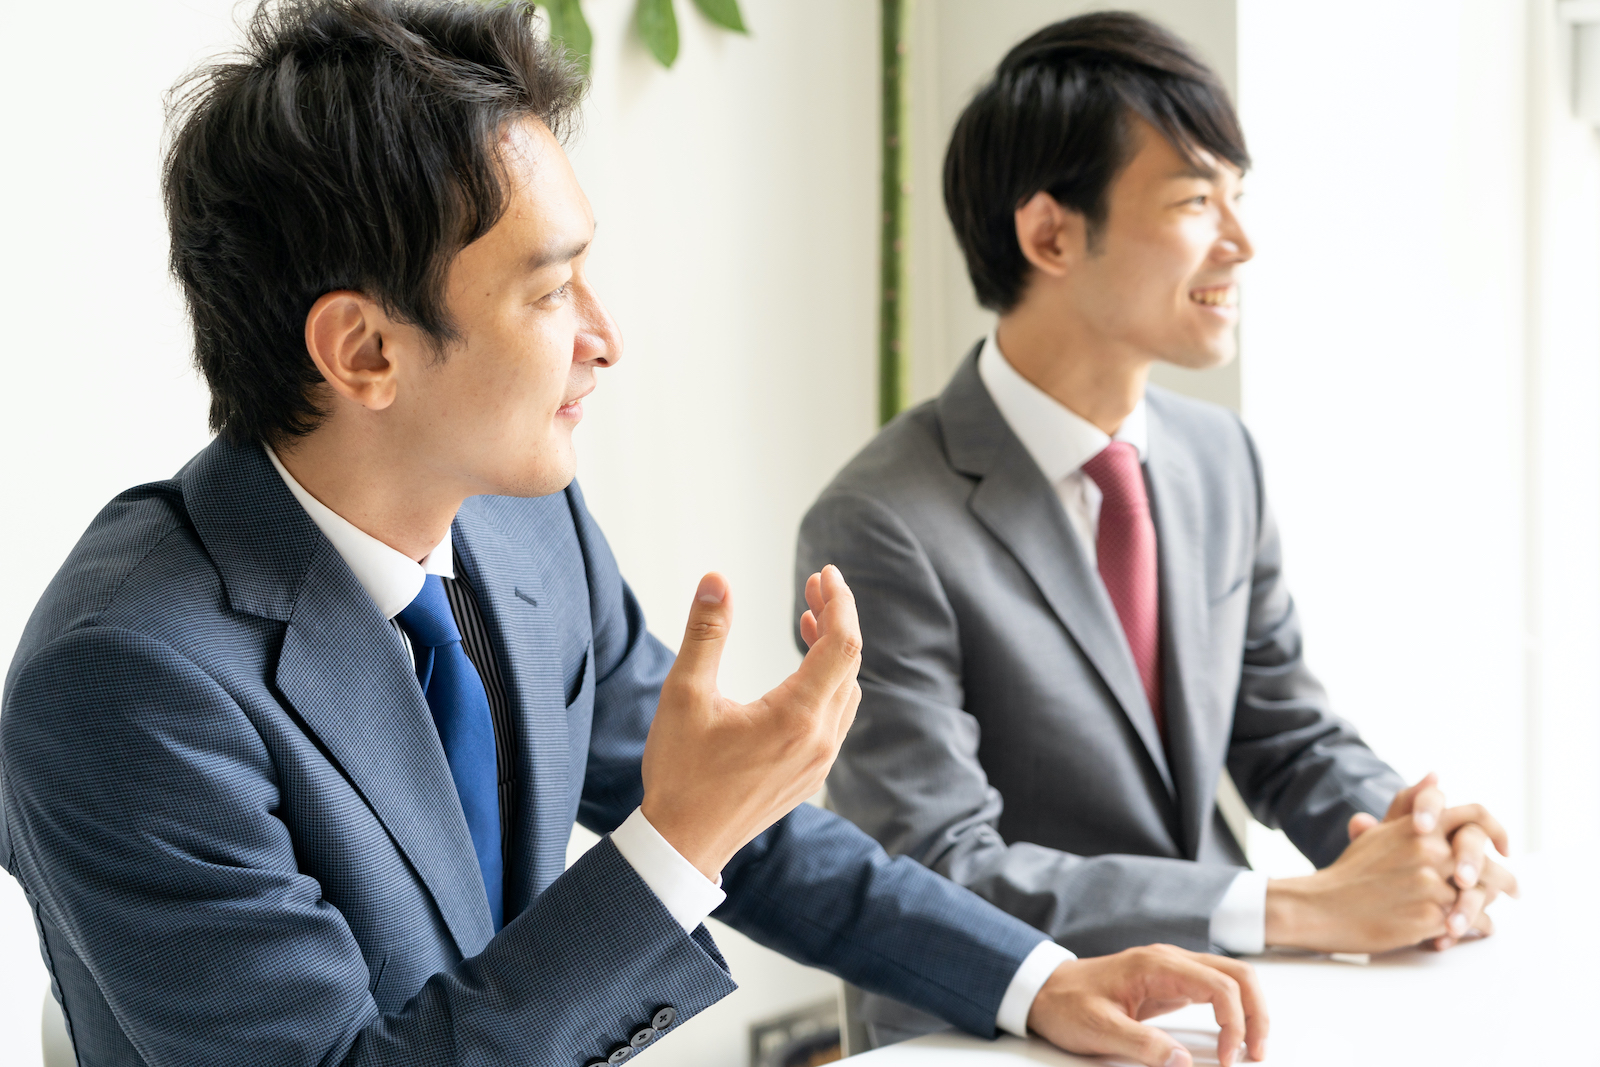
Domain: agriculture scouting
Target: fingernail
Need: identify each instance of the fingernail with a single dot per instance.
(1178, 1057)
(1457, 924)
(1425, 821)
(710, 591)
(1466, 876)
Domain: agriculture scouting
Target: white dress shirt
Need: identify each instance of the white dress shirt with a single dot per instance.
(1061, 442)
(393, 580)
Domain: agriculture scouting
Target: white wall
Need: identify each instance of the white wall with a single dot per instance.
(1383, 334)
(736, 195)
(1562, 465)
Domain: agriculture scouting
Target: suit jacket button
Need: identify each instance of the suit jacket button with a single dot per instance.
(643, 1037)
(597, 1063)
(664, 1018)
(620, 1054)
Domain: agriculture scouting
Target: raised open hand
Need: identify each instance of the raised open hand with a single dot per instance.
(717, 772)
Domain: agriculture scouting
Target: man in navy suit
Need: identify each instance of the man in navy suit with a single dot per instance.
(292, 745)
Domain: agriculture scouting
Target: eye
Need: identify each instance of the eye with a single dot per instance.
(556, 295)
(1200, 201)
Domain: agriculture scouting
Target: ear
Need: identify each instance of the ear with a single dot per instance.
(1053, 238)
(344, 337)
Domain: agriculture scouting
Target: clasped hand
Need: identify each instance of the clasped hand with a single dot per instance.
(1422, 875)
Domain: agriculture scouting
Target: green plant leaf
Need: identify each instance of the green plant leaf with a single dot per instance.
(568, 26)
(724, 13)
(659, 28)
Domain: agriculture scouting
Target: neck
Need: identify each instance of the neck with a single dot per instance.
(377, 489)
(1096, 379)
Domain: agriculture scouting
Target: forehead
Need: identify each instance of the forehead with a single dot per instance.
(544, 202)
(1156, 160)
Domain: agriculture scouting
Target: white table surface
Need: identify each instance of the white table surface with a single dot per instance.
(1527, 995)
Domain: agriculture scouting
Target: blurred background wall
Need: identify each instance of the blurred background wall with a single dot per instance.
(1421, 347)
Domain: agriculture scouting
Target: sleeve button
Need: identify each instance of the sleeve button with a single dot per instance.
(664, 1018)
(620, 1054)
(643, 1037)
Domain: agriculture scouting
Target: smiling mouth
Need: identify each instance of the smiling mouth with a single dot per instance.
(1214, 297)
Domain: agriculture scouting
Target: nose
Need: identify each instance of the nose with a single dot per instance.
(1233, 243)
(598, 341)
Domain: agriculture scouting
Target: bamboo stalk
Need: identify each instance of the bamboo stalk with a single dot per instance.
(893, 236)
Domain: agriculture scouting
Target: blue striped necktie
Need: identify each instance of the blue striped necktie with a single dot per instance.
(461, 712)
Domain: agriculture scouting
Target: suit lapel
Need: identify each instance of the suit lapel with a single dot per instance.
(1194, 738)
(1020, 509)
(527, 646)
(342, 668)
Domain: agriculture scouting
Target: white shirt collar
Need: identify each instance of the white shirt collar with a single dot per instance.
(1059, 440)
(391, 578)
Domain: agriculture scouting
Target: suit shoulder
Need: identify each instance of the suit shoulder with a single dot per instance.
(1204, 425)
(139, 565)
(901, 464)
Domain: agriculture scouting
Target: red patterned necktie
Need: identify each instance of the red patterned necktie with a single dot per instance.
(1126, 546)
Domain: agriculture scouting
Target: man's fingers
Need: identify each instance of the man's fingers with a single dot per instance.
(1465, 912)
(814, 594)
(1360, 823)
(1122, 1036)
(1484, 926)
(1497, 879)
(710, 617)
(836, 654)
(1467, 855)
(1400, 806)
(1452, 819)
(808, 629)
(1426, 807)
(1251, 998)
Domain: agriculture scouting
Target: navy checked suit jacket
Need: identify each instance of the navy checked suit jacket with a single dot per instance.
(231, 814)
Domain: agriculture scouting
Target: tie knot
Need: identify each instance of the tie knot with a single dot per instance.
(1115, 469)
(428, 618)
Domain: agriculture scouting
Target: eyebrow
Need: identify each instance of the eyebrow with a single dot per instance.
(1208, 174)
(549, 257)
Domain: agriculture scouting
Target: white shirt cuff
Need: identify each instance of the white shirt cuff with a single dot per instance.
(676, 882)
(1036, 969)
(1239, 925)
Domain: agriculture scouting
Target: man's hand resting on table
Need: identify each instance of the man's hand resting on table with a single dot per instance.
(1094, 1006)
(1421, 875)
(717, 773)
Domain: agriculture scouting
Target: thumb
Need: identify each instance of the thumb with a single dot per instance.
(1360, 823)
(710, 617)
(1145, 1044)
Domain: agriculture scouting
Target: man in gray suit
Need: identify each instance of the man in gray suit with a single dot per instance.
(1071, 584)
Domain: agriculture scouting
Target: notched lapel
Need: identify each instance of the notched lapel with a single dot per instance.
(1019, 509)
(346, 673)
(1017, 506)
(1196, 733)
(527, 646)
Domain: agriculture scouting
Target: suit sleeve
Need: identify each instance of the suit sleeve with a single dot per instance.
(1297, 765)
(909, 773)
(812, 887)
(142, 804)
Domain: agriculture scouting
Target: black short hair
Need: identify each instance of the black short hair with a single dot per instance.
(1058, 118)
(352, 144)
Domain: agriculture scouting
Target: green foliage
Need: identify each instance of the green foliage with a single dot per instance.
(571, 29)
(656, 20)
(658, 26)
(724, 13)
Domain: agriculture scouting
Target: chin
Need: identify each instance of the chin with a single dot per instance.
(1204, 357)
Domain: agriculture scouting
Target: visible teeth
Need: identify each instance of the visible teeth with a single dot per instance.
(1213, 297)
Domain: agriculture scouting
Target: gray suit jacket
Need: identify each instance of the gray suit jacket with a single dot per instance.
(1004, 739)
